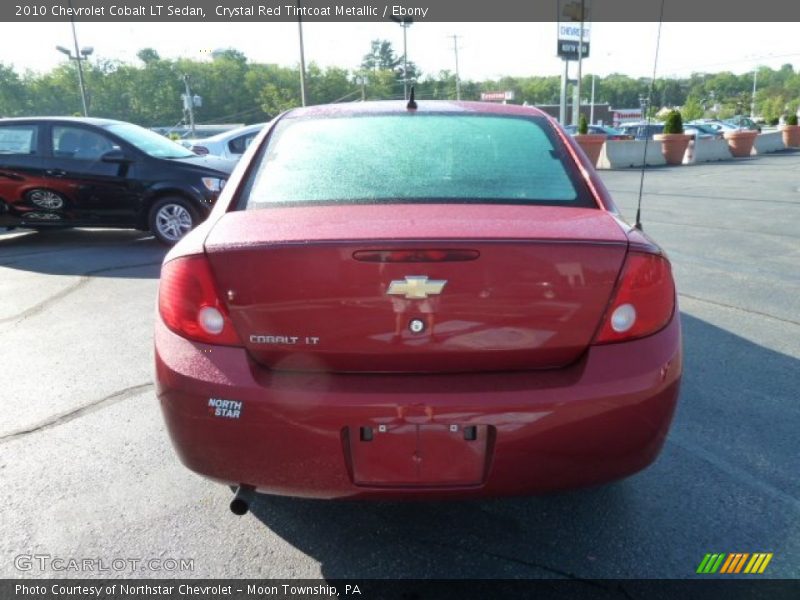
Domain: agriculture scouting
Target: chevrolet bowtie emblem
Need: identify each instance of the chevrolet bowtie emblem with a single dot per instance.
(416, 287)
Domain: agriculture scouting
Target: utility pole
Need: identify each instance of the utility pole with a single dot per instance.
(405, 24)
(362, 79)
(458, 77)
(302, 57)
(188, 103)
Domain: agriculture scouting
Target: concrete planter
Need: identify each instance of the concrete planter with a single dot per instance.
(673, 146)
(592, 145)
(791, 135)
(741, 142)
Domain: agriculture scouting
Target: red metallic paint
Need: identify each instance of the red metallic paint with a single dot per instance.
(603, 416)
(15, 186)
(532, 299)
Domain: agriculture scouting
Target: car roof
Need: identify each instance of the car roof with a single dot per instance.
(642, 124)
(225, 135)
(86, 120)
(423, 107)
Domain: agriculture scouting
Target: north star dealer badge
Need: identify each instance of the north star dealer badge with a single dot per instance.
(227, 409)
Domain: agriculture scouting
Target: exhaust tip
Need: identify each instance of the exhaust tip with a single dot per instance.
(240, 505)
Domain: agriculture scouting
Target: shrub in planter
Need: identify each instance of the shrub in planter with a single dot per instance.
(592, 144)
(673, 141)
(673, 122)
(583, 126)
(791, 132)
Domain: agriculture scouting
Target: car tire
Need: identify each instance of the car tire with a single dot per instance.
(171, 218)
(46, 199)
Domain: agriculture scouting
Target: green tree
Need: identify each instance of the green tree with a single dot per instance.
(692, 109)
(382, 57)
(280, 89)
(147, 55)
(13, 93)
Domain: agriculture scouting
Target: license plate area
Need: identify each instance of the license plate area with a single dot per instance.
(422, 455)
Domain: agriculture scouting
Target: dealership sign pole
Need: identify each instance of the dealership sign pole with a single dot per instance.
(573, 44)
(576, 106)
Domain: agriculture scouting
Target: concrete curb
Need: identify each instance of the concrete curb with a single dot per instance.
(768, 142)
(706, 150)
(625, 154)
(621, 154)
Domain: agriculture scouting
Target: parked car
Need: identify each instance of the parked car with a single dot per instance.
(744, 123)
(702, 132)
(642, 131)
(71, 172)
(416, 300)
(609, 132)
(717, 125)
(230, 144)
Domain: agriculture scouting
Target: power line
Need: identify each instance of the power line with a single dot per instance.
(746, 59)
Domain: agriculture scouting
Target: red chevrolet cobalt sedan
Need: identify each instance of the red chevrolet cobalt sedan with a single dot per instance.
(396, 300)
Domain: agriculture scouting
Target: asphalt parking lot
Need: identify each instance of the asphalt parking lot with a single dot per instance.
(87, 470)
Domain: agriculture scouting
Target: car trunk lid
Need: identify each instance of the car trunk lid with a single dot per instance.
(416, 288)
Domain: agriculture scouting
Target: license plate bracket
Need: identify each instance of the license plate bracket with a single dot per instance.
(421, 455)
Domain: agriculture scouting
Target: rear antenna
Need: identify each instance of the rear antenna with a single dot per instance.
(412, 104)
(647, 103)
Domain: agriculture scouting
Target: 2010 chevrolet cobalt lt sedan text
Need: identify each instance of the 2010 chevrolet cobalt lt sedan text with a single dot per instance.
(432, 300)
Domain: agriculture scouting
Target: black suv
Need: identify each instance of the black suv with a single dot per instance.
(71, 172)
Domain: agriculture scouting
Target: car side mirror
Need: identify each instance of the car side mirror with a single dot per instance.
(116, 156)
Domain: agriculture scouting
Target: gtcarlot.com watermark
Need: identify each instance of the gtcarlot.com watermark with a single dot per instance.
(70, 564)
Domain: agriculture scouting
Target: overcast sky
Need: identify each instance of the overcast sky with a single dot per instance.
(487, 50)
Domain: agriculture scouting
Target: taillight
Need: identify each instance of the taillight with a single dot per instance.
(643, 302)
(189, 304)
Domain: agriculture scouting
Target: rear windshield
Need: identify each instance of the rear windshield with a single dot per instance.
(414, 158)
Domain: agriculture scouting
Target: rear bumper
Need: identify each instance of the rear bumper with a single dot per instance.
(602, 419)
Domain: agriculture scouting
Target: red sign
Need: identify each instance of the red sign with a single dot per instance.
(497, 96)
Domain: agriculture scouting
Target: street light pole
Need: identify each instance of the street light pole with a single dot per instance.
(80, 73)
(78, 58)
(405, 23)
(84, 52)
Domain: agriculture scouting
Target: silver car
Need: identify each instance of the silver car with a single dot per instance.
(230, 144)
